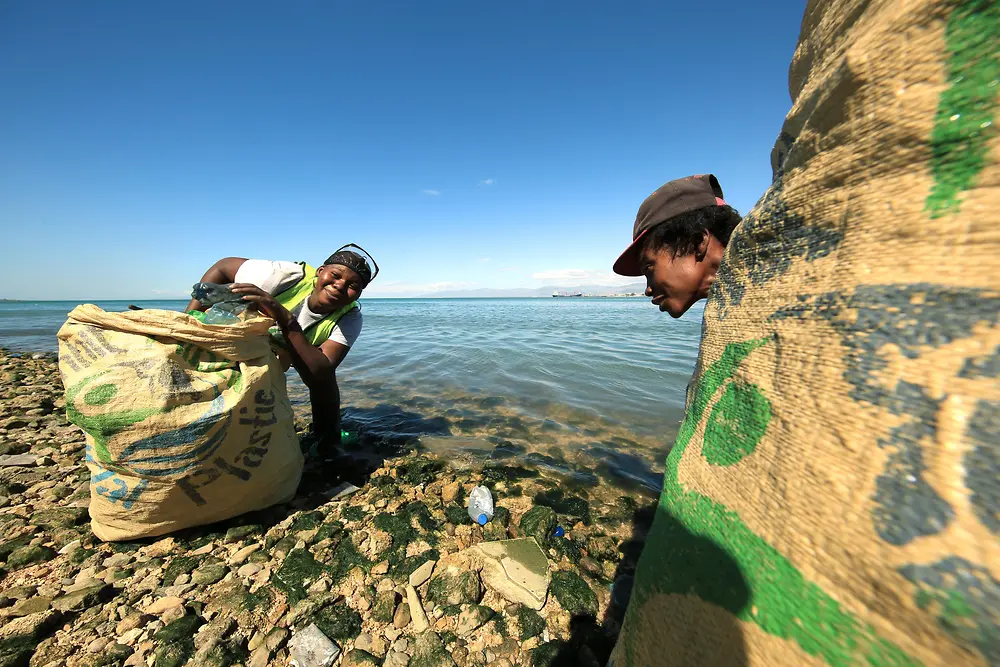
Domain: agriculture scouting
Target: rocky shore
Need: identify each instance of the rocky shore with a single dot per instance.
(390, 573)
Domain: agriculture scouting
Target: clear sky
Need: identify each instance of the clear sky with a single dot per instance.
(465, 144)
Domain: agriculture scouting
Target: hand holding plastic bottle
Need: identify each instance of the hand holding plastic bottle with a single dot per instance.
(264, 302)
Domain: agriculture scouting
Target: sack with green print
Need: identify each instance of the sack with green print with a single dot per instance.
(832, 497)
(186, 423)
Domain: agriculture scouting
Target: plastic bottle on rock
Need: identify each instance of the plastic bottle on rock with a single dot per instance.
(481, 505)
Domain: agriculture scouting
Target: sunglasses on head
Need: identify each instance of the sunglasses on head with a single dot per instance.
(353, 247)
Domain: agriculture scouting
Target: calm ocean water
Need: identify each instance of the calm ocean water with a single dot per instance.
(588, 388)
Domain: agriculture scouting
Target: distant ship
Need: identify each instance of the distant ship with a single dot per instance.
(560, 294)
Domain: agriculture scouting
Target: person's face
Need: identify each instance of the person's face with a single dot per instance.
(675, 283)
(336, 286)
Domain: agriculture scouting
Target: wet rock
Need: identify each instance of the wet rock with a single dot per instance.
(455, 586)
(493, 531)
(428, 651)
(529, 623)
(538, 522)
(591, 567)
(603, 548)
(573, 593)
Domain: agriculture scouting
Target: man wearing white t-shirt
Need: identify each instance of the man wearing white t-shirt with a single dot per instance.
(317, 316)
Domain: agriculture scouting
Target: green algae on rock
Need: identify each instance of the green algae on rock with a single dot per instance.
(428, 651)
(455, 586)
(385, 606)
(29, 555)
(529, 622)
(573, 593)
(176, 641)
(297, 571)
(338, 622)
(538, 522)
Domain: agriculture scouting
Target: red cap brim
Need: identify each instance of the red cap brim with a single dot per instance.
(628, 263)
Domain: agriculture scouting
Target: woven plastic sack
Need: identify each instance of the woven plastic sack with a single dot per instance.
(832, 496)
(186, 423)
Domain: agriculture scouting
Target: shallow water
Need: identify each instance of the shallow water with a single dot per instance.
(582, 389)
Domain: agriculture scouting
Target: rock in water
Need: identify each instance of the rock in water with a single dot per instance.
(311, 648)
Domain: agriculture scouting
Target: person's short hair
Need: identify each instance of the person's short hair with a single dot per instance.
(683, 233)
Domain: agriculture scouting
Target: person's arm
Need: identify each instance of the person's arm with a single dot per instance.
(222, 272)
(316, 365)
(324, 394)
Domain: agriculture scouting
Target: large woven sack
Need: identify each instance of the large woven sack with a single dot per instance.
(832, 497)
(186, 423)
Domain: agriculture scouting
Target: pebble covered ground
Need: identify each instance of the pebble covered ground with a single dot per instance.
(362, 569)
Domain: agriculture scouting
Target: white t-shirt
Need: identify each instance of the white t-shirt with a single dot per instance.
(276, 277)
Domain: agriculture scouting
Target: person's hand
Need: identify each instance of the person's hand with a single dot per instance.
(264, 302)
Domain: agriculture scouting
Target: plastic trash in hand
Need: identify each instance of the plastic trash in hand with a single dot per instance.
(481, 505)
(311, 648)
(224, 306)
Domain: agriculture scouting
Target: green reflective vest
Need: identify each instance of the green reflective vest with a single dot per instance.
(317, 332)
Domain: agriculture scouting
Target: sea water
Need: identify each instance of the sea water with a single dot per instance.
(588, 388)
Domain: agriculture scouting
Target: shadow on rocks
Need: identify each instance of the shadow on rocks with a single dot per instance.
(691, 565)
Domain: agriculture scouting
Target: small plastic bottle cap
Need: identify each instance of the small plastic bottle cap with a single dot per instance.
(559, 532)
(482, 519)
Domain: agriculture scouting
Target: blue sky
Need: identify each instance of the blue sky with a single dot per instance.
(465, 144)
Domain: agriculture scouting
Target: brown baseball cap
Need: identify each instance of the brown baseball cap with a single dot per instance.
(670, 200)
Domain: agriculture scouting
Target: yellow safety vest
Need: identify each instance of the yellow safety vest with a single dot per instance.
(317, 332)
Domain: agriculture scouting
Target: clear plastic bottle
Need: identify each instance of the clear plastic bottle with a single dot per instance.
(224, 306)
(481, 505)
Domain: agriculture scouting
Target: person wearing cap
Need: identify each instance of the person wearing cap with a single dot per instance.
(317, 318)
(679, 237)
